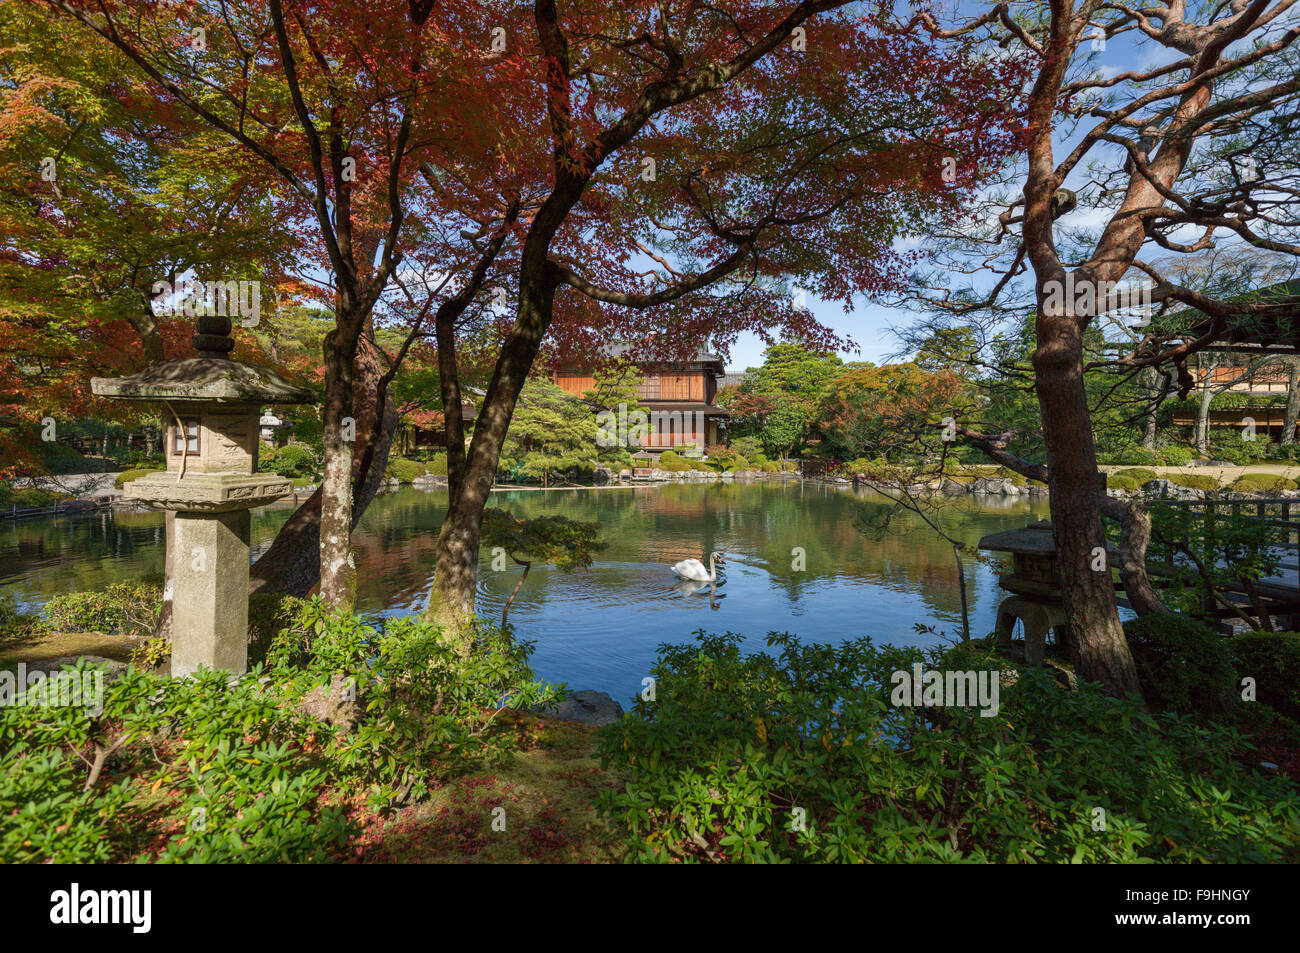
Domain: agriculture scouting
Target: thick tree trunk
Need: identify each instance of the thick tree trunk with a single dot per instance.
(455, 577)
(1292, 402)
(1101, 653)
(292, 564)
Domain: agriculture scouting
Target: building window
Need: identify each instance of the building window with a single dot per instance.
(190, 442)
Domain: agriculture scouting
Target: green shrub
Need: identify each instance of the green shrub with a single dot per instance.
(1272, 659)
(1183, 665)
(127, 608)
(291, 460)
(751, 448)
(1130, 457)
(29, 496)
(403, 470)
(673, 462)
(216, 769)
(1261, 483)
(16, 626)
(1175, 455)
(122, 479)
(724, 458)
(1194, 481)
(713, 768)
(1142, 474)
(437, 464)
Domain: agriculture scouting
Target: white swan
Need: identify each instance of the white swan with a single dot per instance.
(694, 569)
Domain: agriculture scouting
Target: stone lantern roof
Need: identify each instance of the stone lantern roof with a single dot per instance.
(210, 377)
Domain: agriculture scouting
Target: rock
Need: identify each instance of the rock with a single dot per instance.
(1172, 491)
(588, 707)
(113, 669)
(336, 706)
(997, 486)
(954, 488)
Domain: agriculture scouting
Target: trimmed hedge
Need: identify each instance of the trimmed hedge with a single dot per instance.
(1184, 666)
(122, 479)
(1262, 483)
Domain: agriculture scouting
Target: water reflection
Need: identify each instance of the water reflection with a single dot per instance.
(600, 628)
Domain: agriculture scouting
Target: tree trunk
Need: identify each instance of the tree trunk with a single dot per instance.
(1292, 402)
(1100, 651)
(1208, 364)
(451, 603)
(292, 564)
(1151, 378)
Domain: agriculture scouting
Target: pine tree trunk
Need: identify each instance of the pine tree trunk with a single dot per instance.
(1100, 651)
(1292, 402)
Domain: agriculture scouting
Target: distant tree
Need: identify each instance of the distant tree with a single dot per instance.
(891, 411)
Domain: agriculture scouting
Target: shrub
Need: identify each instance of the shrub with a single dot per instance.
(751, 448)
(1194, 481)
(712, 768)
(724, 458)
(437, 463)
(127, 608)
(1272, 659)
(673, 462)
(29, 496)
(122, 479)
(291, 460)
(1140, 474)
(1261, 483)
(212, 768)
(1175, 455)
(16, 626)
(1183, 665)
(1131, 457)
(403, 470)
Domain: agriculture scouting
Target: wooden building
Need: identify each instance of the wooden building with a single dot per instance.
(678, 398)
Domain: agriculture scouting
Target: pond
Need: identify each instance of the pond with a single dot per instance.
(600, 628)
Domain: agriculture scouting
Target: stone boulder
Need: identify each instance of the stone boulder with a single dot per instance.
(588, 707)
(112, 668)
(997, 486)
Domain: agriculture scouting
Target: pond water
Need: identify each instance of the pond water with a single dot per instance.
(600, 628)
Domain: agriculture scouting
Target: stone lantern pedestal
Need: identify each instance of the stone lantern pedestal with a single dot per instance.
(212, 407)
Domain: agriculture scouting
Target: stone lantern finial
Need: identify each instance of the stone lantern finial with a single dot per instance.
(213, 337)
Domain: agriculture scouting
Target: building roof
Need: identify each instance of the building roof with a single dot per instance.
(629, 350)
(1273, 330)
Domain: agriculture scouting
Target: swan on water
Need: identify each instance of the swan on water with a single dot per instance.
(694, 569)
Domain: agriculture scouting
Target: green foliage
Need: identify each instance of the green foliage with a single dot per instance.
(674, 462)
(403, 470)
(565, 543)
(437, 464)
(1272, 659)
(1175, 455)
(552, 431)
(727, 458)
(127, 608)
(1261, 483)
(29, 496)
(292, 460)
(731, 744)
(1130, 456)
(1183, 665)
(125, 477)
(217, 769)
(751, 448)
(1141, 474)
(16, 626)
(1194, 481)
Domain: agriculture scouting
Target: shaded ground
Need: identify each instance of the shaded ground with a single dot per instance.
(56, 644)
(548, 792)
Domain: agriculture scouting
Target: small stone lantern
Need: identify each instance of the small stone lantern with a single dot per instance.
(1036, 598)
(211, 409)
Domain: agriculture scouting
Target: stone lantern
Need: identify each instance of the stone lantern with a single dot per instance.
(1036, 599)
(211, 408)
